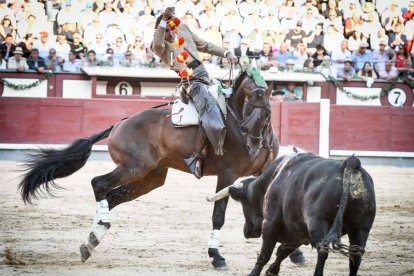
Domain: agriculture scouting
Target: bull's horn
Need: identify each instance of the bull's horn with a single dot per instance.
(223, 193)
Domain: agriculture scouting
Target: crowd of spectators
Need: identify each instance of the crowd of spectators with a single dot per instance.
(346, 39)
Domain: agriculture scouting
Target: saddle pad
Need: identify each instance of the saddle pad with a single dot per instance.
(184, 114)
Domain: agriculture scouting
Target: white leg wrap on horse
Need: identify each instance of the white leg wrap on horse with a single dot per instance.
(102, 215)
(213, 242)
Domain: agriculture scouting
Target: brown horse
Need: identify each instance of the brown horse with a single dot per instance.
(145, 145)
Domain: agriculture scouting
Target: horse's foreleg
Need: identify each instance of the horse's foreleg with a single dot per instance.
(219, 214)
(107, 198)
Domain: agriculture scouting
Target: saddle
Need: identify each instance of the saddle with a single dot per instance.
(183, 114)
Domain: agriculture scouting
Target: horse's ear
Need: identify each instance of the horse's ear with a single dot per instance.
(269, 90)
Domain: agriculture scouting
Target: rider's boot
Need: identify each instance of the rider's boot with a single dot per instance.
(196, 161)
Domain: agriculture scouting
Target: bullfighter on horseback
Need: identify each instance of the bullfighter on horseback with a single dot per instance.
(195, 86)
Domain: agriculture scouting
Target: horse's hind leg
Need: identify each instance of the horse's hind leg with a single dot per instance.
(128, 188)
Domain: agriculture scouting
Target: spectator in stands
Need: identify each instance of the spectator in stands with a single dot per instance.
(99, 46)
(28, 26)
(393, 22)
(277, 96)
(108, 15)
(352, 18)
(119, 48)
(290, 65)
(325, 67)
(230, 21)
(303, 10)
(315, 38)
(292, 93)
(17, 61)
(72, 65)
(91, 59)
(208, 18)
(44, 44)
(146, 17)
(409, 29)
(128, 60)
(6, 27)
(310, 20)
(389, 13)
(308, 65)
(108, 59)
(78, 46)
(249, 7)
(332, 39)
(138, 50)
(35, 62)
(92, 30)
(86, 16)
(287, 14)
(300, 55)
(397, 39)
(408, 14)
(266, 57)
(7, 47)
(113, 33)
(192, 22)
(347, 72)
(371, 24)
(243, 52)
(333, 19)
(295, 36)
(62, 47)
(367, 72)
(68, 14)
(403, 61)
(380, 36)
(27, 45)
(283, 55)
(332, 7)
(361, 56)
(54, 62)
(319, 55)
(381, 55)
(389, 72)
(340, 55)
(355, 39)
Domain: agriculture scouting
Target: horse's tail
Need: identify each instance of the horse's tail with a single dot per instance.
(48, 164)
(351, 166)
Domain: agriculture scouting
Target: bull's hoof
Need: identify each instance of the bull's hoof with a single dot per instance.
(297, 257)
(219, 263)
(85, 254)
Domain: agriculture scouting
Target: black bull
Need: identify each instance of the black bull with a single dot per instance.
(303, 198)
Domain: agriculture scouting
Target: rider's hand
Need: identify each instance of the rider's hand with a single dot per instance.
(232, 58)
(168, 14)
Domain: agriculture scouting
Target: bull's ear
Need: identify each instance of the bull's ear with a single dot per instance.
(236, 193)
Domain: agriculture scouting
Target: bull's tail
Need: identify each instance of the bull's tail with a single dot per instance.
(48, 164)
(351, 166)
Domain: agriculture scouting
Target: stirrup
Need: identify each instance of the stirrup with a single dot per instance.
(195, 165)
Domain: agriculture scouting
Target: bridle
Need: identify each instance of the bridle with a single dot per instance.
(247, 123)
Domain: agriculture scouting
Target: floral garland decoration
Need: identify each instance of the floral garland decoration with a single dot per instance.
(179, 42)
(384, 91)
(47, 74)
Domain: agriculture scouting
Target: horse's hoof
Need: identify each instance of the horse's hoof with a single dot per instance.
(219, 264)
(298, 259)
(85, 254)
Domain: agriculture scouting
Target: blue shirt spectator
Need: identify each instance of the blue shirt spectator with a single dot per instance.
(361, 56)
(283, 54)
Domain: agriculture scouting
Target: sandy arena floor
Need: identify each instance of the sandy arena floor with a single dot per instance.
(166, 231)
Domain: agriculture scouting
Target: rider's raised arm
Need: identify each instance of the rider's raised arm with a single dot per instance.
(158, 43)
(205, 46)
